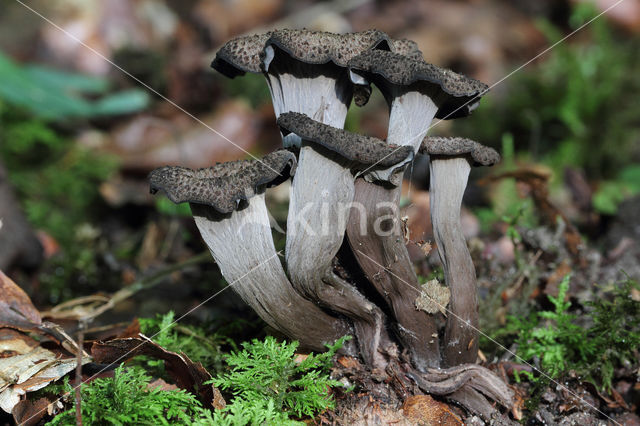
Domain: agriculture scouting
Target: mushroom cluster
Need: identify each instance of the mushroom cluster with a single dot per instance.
(344, 196)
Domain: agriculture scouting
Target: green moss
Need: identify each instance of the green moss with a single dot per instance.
(609, 340)
(199, 345)
(265, 377)
(127, 399)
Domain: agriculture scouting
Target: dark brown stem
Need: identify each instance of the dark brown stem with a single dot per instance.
(376, 238)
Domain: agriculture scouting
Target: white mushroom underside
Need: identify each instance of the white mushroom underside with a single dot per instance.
(448, 178)
(323, 98)
(242, 246)
(409, 121)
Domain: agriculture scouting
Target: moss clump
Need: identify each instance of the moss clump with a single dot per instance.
(127, 398)
(266, 379)
(609, 340)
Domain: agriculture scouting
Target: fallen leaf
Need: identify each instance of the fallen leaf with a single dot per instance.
(159, 383)
(187, 374)
(299, 358)
(148, 142)
(29, 413)
(13, 343)
(16, 309)
(424, 410)
(348, 362)
(433, 298)
(29, 372)
(425, 246)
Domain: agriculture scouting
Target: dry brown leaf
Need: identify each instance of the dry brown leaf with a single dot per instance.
(16, 309)
(433, 298)
(159, 383)
(13, 343)
(424, 410)
(425, 246)
(299, 358)
(187, 374)
(348, 362)
(29, 372)
(147, 142)
(28, 413)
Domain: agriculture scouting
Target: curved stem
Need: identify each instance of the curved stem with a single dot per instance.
(448, 182)
(377, 241)
(410, 116)
(321, 194)
(242, 245)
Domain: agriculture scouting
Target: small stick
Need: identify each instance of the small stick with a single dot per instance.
(81, 327)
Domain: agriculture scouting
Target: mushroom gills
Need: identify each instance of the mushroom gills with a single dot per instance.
(322, 92)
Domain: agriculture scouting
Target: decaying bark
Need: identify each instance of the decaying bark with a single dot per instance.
(448, 182)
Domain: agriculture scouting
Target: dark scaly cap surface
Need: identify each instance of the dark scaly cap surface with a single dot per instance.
(240, 55)
(224, 185)
(354, 147)
(456, 146)
(408, 48)
(319, 47)
(459, 94)
(405, 47)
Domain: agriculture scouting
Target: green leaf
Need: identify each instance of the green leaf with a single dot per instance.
(66, 81)
(124, 102)
(56, 95)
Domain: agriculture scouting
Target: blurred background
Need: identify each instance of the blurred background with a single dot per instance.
(78, 137)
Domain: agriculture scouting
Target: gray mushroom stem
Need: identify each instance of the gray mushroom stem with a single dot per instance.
(448, 182)
(316, 224)
(409, 120)
(415, 92)
(321, 197)
(228, 205)
(306, 73)
(410, 114)
(242, 245)
(385, 261)
(450, 162)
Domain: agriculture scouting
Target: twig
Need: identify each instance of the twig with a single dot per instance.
(522, 274)
(75, 309)
(81, 327)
